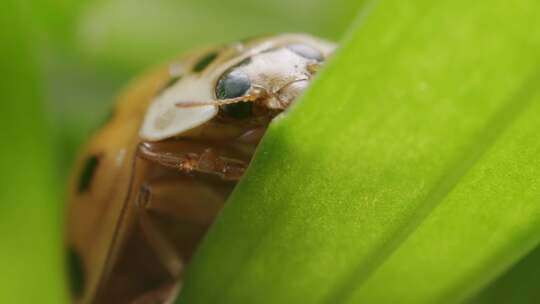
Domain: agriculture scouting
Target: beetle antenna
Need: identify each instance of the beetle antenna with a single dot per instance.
(219, 102)
(254, 94)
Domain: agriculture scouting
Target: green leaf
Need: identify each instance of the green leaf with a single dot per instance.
(408, 174)
(30, 214)
(519, 285)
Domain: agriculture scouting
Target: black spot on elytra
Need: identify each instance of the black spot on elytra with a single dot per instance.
(76, 273)
(170, 83)
(306, 51)
(244, 62)
(87, 173)
(204, 61)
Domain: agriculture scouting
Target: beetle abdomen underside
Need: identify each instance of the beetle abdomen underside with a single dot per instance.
(175, 209)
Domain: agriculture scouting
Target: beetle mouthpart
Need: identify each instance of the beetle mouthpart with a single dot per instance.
(313, 67)
(289, 93)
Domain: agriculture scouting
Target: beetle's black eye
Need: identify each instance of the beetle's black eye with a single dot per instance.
(76, 273)
(306, 51)
(233, 84)
(240, 110)
(87, 174)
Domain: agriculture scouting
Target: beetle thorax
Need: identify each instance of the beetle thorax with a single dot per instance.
(280, 74)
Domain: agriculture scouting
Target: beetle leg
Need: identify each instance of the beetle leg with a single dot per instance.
(192, 205)
(207, 161)
(161, 245)
(165, 251)
(210, 162)
(164, 295)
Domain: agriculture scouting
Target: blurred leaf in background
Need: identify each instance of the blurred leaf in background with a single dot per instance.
(131, 33)
(30, 212)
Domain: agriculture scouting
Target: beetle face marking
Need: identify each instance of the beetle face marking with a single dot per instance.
(87, 173)
(163, 119)
(306, 51)
(76, 273)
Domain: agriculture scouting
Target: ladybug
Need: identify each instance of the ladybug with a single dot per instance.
(150, 183)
